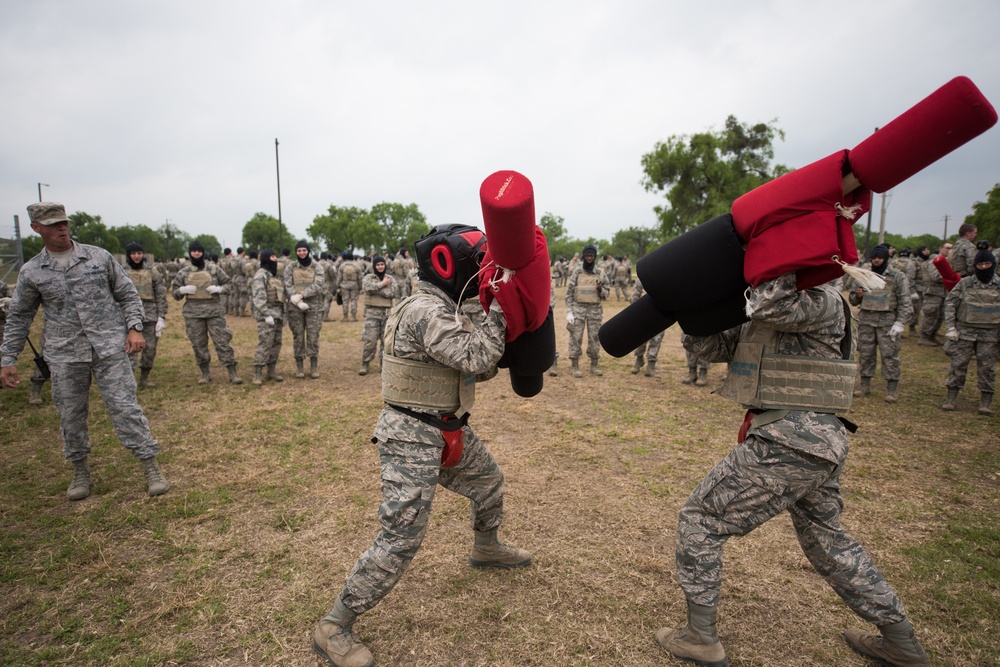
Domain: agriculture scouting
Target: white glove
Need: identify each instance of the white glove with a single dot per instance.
(5, 304)
(296, 298)
(495, 306)
(161, 324)
(914, 296)
(301, 304)
(897, 328)
(570, 317)
(187, 289)
(951, 334)
(269, 320)
(214, 289)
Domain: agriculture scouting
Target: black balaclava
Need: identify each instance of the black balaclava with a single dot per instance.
(375, 260)
(883, 252)
(267, 263)
(588, 250)
(986, 275)
(307, 260)
(129, 249)
(200, 262)
(252, 254)
(920, 253)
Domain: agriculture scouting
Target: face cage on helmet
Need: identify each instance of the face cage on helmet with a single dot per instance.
(452, 260)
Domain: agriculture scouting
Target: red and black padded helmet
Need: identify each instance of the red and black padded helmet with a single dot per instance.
(449, 256)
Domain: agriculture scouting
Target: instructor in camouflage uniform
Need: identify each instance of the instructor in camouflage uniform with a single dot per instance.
(433, 358)
(267, 300)
(791, 453)
(972, 328)
(304, 280)
(379, 289)
(200, 283)
(962, 255)
(349, 277)
(882, 318)
(93, 321)
(588, 286)
(152, 290)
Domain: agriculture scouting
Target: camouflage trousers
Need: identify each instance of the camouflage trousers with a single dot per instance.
(871, 340)
(961, 353)
(918, 305)
(621, 289)
(148, 352)
(71, 396)
(268, 342)
(650, 348)
(371, 336)
(758, 480)
(305, 326)
(695, 362)
(411, 472)
(933, 312)
(349, 295)
(590, 316)
(239, 297)
(198, 331)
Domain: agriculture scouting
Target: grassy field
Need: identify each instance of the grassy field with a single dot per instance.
(275, 493)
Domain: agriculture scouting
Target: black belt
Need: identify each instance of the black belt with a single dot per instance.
(447, 423)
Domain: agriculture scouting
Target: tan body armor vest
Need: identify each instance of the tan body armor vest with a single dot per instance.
(882, 300)
(275, 291)
(143, 281)
(350, 271)
(302, 277)
(201, 279)
(588, 288)
(376, 300)
(980, 308)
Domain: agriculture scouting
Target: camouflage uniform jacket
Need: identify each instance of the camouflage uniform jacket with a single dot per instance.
(954, 300)
(933, 282)
(372, 284)
(897, 283)
(354, 280)
(809, 323)
(202, 308)
(89, 307)
(430, 331)
(261, 305)
(962, 257)
(603, 285)
(157, 306)
(315, 290)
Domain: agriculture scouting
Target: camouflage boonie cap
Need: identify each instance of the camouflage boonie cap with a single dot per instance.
(47, 213)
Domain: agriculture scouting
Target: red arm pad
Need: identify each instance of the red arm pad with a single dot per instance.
(948, 274)
(944, 120)
(525, 297)
(508, 202)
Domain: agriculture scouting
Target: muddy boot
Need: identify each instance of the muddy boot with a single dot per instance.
(36, 393)
(488, 551)
(702, 379)
(299, 370)
(692, 376)
(334, 639)
(575, 370)
(637, 366)
(891, 388)
(205, 376)
(364, 368)
(314, 368)
(554, 371)
(896, 646)
(156, 483)
(985, 399)
(233, 377)
(258, 376)
(949, 403)
(696, 642)
(79, 488)
(144, 382)
(863, 389)
(651, 369)
(594, 370)
(272, 374)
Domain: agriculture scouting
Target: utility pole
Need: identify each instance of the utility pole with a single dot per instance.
(881, 222)
(40, 190)
(944, 239)
(277, 168)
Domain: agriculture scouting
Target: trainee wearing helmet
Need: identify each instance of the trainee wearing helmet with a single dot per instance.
(449, 256)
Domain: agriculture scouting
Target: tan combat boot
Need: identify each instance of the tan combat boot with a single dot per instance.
(702, 377)
(156, 483)
(985, 400)
(272, 374)
(144, 382)
(554, 371)
(233, 377)
(692, 376)
(205, 375)
(488, 551)
(79, 488)
(36, 393)
(334, 639)
(863, 389)
(651, 369)
(949, 403)
(258, 376)
(594, 370)
(314, 368)
(897, 645)
(696, 642)
(575, 370)
(892, 386)
(637, 366)
(364, 368)
(299, 370)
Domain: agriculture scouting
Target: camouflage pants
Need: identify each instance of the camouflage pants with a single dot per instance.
(695, 362)
(268, 342)
(349, 295)
(621, 289)
(650, 348)
(758, 480)
(873, 339)
(198, 331)
(411, 472)
(371, 336)
(589, 316)
(305, 326)
(240, 297)
(961, 353)
(933, 312)
(148, 352)
(71, 396)
(918, 305)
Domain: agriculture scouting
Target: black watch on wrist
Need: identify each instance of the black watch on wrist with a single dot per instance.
(136, 327)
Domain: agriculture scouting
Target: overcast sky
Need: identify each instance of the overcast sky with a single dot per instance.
(146, 112)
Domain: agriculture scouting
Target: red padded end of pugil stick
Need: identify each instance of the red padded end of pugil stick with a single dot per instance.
(508, 202)
(944, 120)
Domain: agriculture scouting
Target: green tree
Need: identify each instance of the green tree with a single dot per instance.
(141, 234)
(401, 225)
(554, 227)
(87, 228)
(635, 241)
(175, 242)
(261, 231)
(333, 230)
(702, 174)
(986, 217)
(210, 243)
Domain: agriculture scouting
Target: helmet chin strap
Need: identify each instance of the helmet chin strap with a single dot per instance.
(461, 295)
